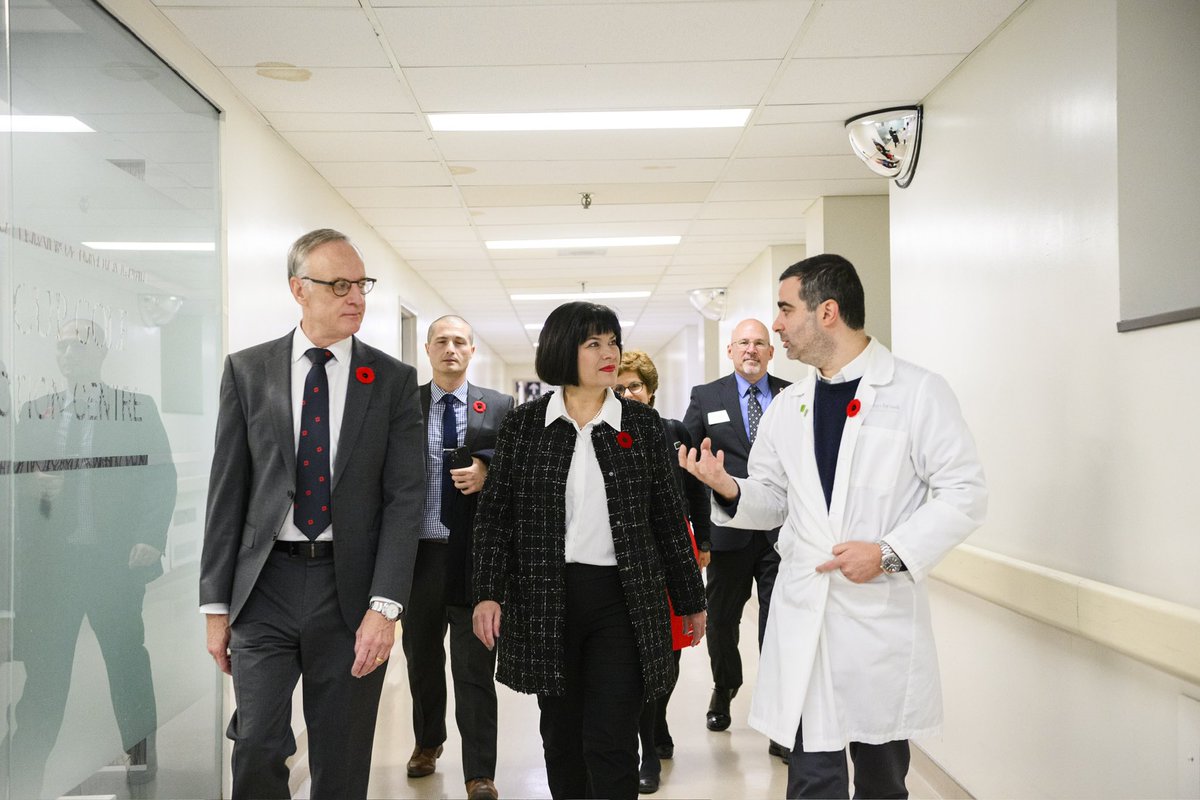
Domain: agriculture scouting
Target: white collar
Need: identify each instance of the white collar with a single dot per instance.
(610, 411)
(852, 371)
(341, 349)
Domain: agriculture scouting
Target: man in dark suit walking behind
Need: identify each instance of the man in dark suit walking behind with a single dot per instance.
(461, 423)
(314, 508)
(727, 411)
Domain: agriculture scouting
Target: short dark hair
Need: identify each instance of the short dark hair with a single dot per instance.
(831, 277)
(567, 327)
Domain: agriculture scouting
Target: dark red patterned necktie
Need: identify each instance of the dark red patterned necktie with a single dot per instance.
(311, 513)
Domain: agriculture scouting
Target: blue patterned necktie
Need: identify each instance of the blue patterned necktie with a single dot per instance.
(753, 412)
(449, 442)
(311, 514)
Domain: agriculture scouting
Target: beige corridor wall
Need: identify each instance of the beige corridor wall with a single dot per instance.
(1088, 438)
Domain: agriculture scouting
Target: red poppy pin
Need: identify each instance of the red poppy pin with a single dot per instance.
(625, 440)
(853, 408)
(365, 375)
(479, 406)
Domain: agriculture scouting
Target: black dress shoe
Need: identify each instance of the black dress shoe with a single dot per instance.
(665, 750)
(718, 708)
(648, 784)
(779, 751)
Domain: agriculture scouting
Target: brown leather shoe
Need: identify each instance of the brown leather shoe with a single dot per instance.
(481, 789)
(423, 761)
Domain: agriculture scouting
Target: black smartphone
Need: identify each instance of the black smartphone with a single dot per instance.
(459, 457)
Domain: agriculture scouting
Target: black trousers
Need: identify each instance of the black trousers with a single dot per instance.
(472, 667)
(590, 735)
(292, 625)
(731, 574)
(652, 727)
(879, 771)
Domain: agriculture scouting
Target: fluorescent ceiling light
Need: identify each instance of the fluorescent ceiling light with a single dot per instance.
(192, 247)
(592, 120)
(580, 295)
(31, 123)
(537, 326)
(557, 244)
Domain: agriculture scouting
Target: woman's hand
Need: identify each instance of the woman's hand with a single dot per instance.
(693, 626)
(486, 622)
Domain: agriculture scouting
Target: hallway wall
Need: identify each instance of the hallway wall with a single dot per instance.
(1005, 255)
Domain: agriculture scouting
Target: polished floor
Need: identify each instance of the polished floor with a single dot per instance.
(730, 764)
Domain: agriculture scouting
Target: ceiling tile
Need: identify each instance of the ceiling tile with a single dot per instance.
(346, 174)
(398, 216)
(916, 28)
(602, 33)
(727, 84)
(886, 81)
(412, 196)
(361, 146)
(244, 36)
(799, 139)
(568, 194)
(331, 90)
(319, 121)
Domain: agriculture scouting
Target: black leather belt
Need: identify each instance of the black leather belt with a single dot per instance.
(306, 549)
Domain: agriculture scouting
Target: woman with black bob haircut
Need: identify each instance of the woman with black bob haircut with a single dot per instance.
(579, 539)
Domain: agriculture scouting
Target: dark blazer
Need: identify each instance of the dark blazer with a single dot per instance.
(695, 494)
(378, 490)
(482, 427)
(520, 542)
(722, 394)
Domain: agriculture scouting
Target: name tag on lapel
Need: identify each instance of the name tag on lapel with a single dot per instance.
(718, 416)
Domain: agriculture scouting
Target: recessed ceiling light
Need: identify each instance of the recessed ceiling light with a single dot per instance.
(556, 244)
(187, 247)
(579, 295)
(33, 123)
(592, 120)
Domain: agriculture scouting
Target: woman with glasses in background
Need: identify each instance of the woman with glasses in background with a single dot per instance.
(579, 539)
(638, 380)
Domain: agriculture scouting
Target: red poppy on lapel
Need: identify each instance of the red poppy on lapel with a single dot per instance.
(364, 374)
(853, 408)
(479, 406)
(625, 440)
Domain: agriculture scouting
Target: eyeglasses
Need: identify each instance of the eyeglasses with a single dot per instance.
(632, 388)
(747, 344)
(341, 286)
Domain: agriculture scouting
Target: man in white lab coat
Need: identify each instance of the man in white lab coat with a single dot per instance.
(871, 469)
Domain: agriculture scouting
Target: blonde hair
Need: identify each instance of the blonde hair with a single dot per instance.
(639, 362)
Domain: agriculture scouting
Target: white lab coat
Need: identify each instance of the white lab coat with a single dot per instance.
(858, 660)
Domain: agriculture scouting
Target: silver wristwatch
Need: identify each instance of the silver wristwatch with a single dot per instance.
(890, 563)
(390, 611)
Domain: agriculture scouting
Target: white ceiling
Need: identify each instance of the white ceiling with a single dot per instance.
(379, 66)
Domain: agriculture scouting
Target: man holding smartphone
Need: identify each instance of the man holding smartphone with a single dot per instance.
(461, 423)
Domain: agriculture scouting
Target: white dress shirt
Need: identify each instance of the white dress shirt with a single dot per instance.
(589, 534)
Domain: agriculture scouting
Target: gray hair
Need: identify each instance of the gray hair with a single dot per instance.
(297, 260)
(434, 324)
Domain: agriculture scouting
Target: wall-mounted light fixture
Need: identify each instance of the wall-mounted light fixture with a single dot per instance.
(709, 302)
(888, 141)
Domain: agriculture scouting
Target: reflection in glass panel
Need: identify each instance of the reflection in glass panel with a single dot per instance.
(113, 360)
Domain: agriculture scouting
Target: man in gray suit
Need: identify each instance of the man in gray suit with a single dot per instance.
(462, 420)
(314, 508)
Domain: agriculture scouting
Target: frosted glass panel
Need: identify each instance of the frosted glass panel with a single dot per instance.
(112, 345)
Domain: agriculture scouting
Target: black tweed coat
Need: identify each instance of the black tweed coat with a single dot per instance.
(520, 542)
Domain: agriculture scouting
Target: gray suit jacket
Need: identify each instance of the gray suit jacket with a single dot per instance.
(482, 427)
(722, 395)
(378, 478)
